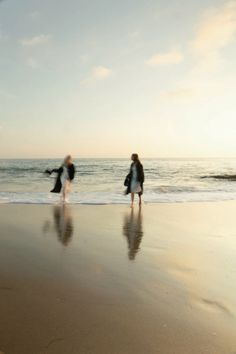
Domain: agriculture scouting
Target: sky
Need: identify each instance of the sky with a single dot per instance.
(106, 78)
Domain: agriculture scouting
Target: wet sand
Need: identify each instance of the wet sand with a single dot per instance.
(105, 279)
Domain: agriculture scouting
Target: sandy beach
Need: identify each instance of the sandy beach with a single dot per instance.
(105, 279)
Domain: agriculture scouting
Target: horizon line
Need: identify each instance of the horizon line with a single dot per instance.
(118, 158)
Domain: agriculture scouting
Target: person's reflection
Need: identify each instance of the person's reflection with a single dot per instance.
(63, 224)
(133, 231)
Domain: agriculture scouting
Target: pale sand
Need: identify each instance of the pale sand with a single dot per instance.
(73, 281)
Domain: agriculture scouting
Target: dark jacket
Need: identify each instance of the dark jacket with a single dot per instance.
(140, 176)
(59, 171)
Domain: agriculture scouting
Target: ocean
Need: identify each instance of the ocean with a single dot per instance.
(100, 181)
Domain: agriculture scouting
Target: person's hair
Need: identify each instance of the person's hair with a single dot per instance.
(67, 159)
(135, 157)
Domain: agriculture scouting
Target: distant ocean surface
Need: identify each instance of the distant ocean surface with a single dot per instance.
(100, 181)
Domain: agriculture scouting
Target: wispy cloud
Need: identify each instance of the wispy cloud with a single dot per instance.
(98, 73)
(215, 30)
(36, 40)
(101, 72)
(193, 87)
(178, 94)
(5, 94)
(34, 14)
(134, 34)
(172, 57)
(32, 63)
(84, 58)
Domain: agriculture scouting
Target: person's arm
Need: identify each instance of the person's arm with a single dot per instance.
(55, 170)
(141, 173)
(129, 175)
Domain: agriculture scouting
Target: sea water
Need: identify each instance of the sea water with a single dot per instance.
(100, 181)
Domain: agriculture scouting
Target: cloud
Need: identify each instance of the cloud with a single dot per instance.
(4, 94)
(171, 57)
(192, 88)
(178, 94)
(32, 63)
(215, 30)
(34, 14)
(98, 73)
(134, 34)
(101, 72)
(36, 40)
(84, 58)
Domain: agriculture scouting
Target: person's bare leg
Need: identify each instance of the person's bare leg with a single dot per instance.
(64, 194)
(140, 200)
(132, 200)
(65, 191)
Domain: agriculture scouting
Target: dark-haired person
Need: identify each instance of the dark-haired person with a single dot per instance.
(65, 175)
(135, 179)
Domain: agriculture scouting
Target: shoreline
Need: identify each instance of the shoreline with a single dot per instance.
(122, 204)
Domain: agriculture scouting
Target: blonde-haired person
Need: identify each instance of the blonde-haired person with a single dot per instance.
(135, 179)
(65, 175)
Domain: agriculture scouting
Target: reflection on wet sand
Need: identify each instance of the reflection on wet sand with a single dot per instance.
(133, 231)
(63, 223)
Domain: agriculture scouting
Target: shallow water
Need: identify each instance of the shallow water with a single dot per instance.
(100, 181)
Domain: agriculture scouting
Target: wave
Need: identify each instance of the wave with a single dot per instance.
(224, 177)
(16, 170)
(106, 198)
(174, 189)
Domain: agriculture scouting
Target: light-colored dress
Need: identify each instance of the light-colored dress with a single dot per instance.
(65, 180)
(135, 186)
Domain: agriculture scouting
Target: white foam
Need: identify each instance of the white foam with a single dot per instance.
(112, 198)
